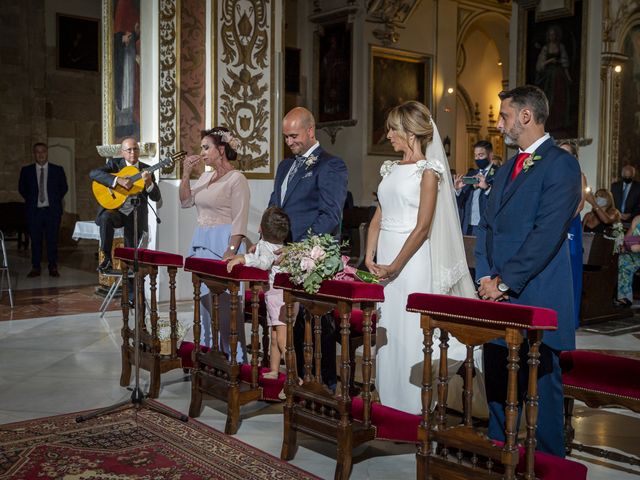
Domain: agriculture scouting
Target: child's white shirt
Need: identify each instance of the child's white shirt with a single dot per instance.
(264, 257)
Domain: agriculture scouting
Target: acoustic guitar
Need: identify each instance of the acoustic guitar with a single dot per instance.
(112, 198)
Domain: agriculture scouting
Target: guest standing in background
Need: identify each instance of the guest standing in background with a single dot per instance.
(575, 240)
(626, 194)
(472, 198)
(522, 257)
(222, 199)
(311, 187)
(43, 185)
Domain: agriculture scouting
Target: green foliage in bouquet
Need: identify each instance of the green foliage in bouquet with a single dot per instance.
(312, 260)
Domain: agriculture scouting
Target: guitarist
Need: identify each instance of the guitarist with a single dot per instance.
(109, 220)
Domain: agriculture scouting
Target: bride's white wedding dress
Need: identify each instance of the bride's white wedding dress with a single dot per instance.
(439, 266)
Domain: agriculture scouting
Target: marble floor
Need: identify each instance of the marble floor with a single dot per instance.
(69, 362)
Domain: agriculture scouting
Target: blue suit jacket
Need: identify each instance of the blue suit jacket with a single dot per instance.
(465, 199)
(315, 195)
(523, 236)
(56, 188)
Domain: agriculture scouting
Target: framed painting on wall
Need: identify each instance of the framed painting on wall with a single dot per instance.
(121, 70)
(333, 66)
(552, 57)
(395, 76)
(77, 41)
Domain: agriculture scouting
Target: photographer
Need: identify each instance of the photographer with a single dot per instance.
(472, 189)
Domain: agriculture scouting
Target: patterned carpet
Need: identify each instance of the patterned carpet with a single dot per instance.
(131, 444)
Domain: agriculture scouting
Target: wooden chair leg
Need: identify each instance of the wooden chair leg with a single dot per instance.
(195, 407)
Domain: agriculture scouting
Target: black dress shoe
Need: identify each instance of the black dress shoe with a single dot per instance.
(105, 265)
(33, 273)
(53, 272)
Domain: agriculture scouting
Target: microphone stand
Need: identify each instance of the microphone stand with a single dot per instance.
(138, 399)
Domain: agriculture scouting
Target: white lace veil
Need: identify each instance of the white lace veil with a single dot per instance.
(450, 273)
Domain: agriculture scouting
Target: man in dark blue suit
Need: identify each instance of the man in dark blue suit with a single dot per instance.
(109, 220)
(472, 198)
(43, 186)
(522, 255)
(311, 188)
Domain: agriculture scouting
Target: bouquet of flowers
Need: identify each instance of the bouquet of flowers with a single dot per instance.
(318, 258)
(616, 233)
(312, 260)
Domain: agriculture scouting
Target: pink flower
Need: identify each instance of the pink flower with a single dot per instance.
(307, 264)
(317, 253)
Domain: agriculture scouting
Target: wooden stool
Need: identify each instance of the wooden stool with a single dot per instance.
(462, 451)
(214, 374)
(311, 407)
(150, 357)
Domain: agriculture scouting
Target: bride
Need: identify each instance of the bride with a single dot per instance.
(415, 234)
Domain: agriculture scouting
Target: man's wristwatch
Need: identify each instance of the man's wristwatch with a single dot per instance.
(503, 287)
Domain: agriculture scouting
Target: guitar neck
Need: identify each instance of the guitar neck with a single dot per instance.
(150, 169)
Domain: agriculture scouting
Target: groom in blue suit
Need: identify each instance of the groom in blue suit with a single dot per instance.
(522, 256)
(311, 188)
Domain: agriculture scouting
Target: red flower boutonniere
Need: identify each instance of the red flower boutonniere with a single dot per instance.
(529, 161)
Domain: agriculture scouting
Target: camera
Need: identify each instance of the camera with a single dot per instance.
(470, 180)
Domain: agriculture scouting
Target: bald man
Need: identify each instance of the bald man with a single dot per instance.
(311, 187)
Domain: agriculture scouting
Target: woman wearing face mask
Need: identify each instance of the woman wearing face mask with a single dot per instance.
(603, 213)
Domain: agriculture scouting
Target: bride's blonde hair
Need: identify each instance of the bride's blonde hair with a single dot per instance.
(411, 118)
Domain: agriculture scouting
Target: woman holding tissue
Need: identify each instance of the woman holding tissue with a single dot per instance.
(221, 197)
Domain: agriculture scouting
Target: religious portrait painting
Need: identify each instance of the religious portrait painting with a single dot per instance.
(126, 68)
(396, 76)
(629, 130)
(334, 72)
(77, 43)
(552, 46)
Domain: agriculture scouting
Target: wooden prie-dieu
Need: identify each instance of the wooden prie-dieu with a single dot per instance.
(310, 406)
(151, 359)
(215, 374)
(449, 448)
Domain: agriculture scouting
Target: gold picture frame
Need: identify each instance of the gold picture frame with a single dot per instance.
(395, 76)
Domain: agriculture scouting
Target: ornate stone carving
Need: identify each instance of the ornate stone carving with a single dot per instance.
(390, 13)
(168, 107)
(244, 79)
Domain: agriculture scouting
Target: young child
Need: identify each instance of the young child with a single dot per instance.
(274, 229)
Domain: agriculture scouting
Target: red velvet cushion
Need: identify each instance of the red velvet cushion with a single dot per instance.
(184, 352)
(356, 320)
(149, 257)
(218, 268)
(506, 314)
(391, 424)
(270, 386)
(338, 289)
(601, 373)
(262, 309)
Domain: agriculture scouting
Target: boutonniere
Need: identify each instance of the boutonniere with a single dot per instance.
(310, 161)
(529, 161)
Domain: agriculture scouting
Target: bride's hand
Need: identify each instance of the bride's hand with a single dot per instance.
(371, 266)
(386, 272)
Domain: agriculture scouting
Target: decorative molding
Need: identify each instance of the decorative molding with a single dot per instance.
(347, 12)
(244, 79)
(392, 14)
(332, 128)
(169, 27)
(108, 124)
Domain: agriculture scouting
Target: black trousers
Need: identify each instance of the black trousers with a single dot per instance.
(327, 343)
(44, 224)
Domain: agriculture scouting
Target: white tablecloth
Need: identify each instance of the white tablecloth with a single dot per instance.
(91, 231)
